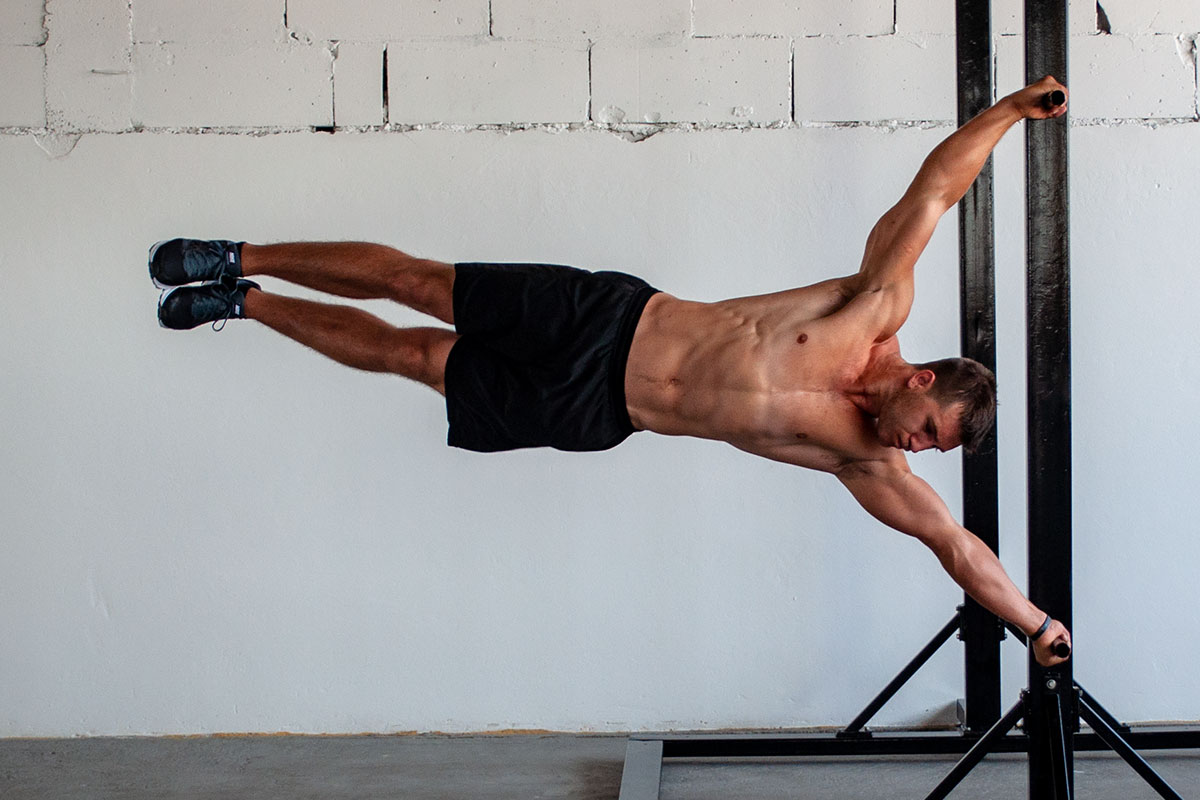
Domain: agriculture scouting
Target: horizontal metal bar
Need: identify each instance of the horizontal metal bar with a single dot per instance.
(799, 745)
(767, 746)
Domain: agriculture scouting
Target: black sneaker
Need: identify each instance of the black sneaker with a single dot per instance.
(174, 262)
(186, 307)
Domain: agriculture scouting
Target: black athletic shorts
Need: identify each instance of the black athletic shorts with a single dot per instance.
(541, 357)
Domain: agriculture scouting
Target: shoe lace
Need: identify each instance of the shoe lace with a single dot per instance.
(229, 284)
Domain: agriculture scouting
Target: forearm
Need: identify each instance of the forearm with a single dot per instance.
(950, 169)
(975, 568)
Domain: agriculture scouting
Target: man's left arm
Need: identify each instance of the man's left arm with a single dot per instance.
(900, 235)
(891, 493)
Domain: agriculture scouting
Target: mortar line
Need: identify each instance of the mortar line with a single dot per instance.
(792, 80)
(333, 57)
(129, 59)
(45, 46)
(387, 111)
(638, 129)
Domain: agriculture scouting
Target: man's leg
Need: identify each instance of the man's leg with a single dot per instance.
(358, 270)
(355, 338)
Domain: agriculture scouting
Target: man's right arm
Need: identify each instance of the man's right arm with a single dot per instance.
(896, 497)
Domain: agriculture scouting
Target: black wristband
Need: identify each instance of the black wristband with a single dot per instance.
(1033, 637)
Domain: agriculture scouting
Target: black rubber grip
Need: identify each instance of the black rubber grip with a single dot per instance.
(1061, 649)
(1054, 99)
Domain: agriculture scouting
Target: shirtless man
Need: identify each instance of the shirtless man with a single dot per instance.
(552, 356)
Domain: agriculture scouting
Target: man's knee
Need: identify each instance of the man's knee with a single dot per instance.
(427, 286)
(421, 353)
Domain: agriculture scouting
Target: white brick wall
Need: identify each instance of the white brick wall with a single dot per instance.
(911, 80)
(268, 62)
(358, 84)
(88, 64)
(1114, 77)
(208, 21)
(793, 17)
(382, 20)
(1144, 76)
(22, 93)
(1160, 16)
(206, 85)
(704, 80)
(481, 82)
(1008, 17)
(590, 19)
(707, 214)
(21, 22)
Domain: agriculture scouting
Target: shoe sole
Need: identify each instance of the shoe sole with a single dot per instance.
(150, 266)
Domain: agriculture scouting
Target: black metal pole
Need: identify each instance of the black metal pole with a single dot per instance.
(981, 631)
(1051, 694)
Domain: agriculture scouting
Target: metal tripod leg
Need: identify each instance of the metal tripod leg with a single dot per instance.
(978, 751)
(1060, 761)
(854, 728)
(1122, 748)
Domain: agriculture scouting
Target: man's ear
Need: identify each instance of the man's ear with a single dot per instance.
(922, 379)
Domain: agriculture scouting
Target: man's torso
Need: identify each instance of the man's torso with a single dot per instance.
(770, 374)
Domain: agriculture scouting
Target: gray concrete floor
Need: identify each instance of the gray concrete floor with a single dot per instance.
(524, 767)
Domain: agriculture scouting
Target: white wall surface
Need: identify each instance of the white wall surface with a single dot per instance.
(205, 532)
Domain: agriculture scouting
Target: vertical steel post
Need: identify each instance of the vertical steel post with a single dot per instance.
(981, 630)
(1049, 395)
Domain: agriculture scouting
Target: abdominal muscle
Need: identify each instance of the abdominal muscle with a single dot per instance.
(735, 371)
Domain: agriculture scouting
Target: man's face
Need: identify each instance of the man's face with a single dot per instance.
(915, 421)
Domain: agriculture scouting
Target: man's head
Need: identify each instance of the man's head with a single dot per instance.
(941, 404)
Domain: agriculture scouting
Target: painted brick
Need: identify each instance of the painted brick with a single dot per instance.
(21, 22)
(1160, 16)
(903, 79)
(214, 20)
(590, 19)
(23, 91)
(792, 17)
(487, 82)
(703, 80)
(88, 64)
(1117, 77)
(1008, 17)
(379, 20)
(358, 84)
(186, 84)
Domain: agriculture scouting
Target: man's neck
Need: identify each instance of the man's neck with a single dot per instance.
(884, 375)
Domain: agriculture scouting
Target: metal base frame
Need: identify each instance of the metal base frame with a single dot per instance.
(645, 753)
